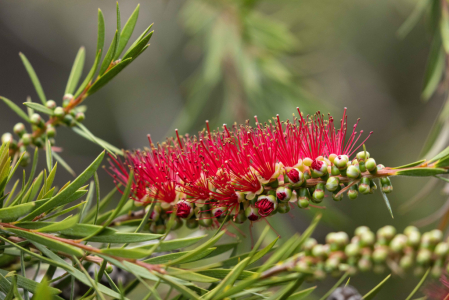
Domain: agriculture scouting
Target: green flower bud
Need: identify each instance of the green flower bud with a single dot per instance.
(410, 229)
(80, 116)
(341, 162)
(353, 172)
(398, 243)
(361, 230)
(36, 119)
(406, 262)
(240, 217)
(373, 186)
(380, 254)
(330, 238)
(283, 208)
(352, 250)
(69, 121)
(283, 194)
(386, 232)
(413, 238)
(307, 175)
(296, 177)
(341, 238)
(424, 256)
(335, 197)
(161, 229)
(109, 268)
(436, 236)
(371, 166)
(303, 203)
(267, 205)
(318, 251)
(51, 131)
(66, 99)
(332, 264)
(353, 192)
(362, 167)
(192, 223)
(7, 138)
(303, 198)
(205, 219)
(59, 112)
(309, 244)
(252, 213)
(318, 194)
(367, 239)
(19, 129)
(26, 139)
(335, 171)
(442, 249)
(361, 155)
(364, 264)
(25, 159)
(38, 142)
(332, 184)
(364, 186)
(177, 223)
(386, 185)
(50, 104)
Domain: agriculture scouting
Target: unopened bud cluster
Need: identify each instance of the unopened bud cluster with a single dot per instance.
(409, 251)
(40, 129)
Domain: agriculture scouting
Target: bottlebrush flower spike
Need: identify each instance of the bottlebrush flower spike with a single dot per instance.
(221, 173)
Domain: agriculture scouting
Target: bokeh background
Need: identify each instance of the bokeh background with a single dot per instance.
(226, 61)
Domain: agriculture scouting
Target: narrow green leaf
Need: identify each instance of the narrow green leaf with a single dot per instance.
(63, 212)
(126, 253)
(22, 282)
(119, 28)
(108, 76)
(435, 68)
(51, 177)
(133, 52)
(34, 79)
(172, 256)
(88, 78)
(39, 107)
(179, 287)
(16, 109)
(46, 241)
(62, 225)
(75, 73)
(302, 294)
(440, 155)
(286, 292)
(98, 141)
(95, 140)
(175, 244)
(336, 285)
(418, 286)
(199, 249)
(71, 188)
(43, 291)
(138, 40)
(30, 111)
(89, 198)
(101, 32)
(127, 32)
(63, 163)
(413, 18)
(109, 55)
(190, 276)
(413, 164)
(97, 194)
(371, 294)
(16, 211)
(48, 154)
(422, 172)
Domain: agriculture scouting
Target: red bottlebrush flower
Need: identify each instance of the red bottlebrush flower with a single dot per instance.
(336, 139)
(313, 133)
(266, 205)
(289, 143)
(437, 291)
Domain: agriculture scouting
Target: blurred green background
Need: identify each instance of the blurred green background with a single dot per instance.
(226, 61)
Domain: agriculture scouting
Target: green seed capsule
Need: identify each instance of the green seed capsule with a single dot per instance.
(353, 192)
(410, 229)
(26, 159)
(7, 138)
(353, 172)
(177, 223)
(303, 197)
(80, 116)
(318, 194)
(303, 203)
(309, 244)
(332, 184)
(318, 251)
(50, 131)
(109, 268)
(398, 243)
(386, 232)
(336, 196)
(371, 166)
(436, 271)
(413, 239)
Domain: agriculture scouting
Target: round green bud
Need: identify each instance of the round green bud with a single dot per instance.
(371, 166)
(330, 238)
(7, 138)
(336, 196)
(36, 119)
(332, 184)
(361, 155)
(19, 129)
(192, 223)
(309, 244)
(109, 268)
(318, 168)
(303, 203)
(335, 171)
(436, 236)
(406, 262)
(318, 251)
(50, 104)
(160, 229)
(283, 208)
(398, 243)
(353, 172)
(50, 131)
(386, 232)
(332, 264)
(59, 112)
(341, 161)
(413, 238)
(364, 264)
(353, 192)
(424, 256)
(177, 223)
(352, 250)
(442, 249)
(66, 99)
(80, 116)
(318, 194)
(283, 194)
(25, 159)
(364, 186)
(295, 177)
(387, 189)
(252, 213)
(38, 142)
(205, 219)
(367, 239)
(410, 229)
(240, 217)
(380, 254)
(362, 167)
(361, 230)
(26, 139)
